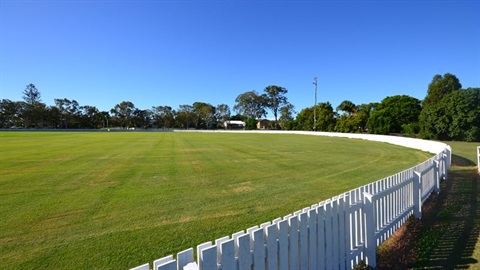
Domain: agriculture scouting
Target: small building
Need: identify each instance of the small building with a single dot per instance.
(234, 124)
(263, 124)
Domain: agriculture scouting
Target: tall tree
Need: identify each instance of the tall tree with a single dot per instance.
(251, 105)
(440, 87)
(141, 118)
(163, 116)
(275, 98)
(354, 119)
(124, 113)
(286, 116)
(222, 113)
(105, 118)
(392, 113)
(455, 117)
(325, 118)
(69, 111)
(31, 95)
(205, 113)
(90, 116)
(34, 109)
(11, 113)
(185, 117)
(363, 113)
(53, 117)
(348, 107)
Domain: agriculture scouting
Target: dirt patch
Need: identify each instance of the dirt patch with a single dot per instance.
(242, 187)
(446, 236)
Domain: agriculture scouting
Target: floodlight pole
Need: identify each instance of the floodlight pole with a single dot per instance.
(315, 108)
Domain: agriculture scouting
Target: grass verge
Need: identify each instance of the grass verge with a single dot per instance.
(447, 236)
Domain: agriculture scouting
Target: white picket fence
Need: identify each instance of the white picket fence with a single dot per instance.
(337, 233)
(478, 158)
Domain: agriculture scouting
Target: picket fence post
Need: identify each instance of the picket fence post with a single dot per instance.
(436, 173)
(478, 158)
(184, 257)
(417, 194)
(370, 228)
(142, 267)
(448, 160)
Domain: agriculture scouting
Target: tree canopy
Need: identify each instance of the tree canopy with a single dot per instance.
(440, 87)
(455, 117)
(325, 118)
(275, 98)
(251, 105)
(448, 112)
(392, 113)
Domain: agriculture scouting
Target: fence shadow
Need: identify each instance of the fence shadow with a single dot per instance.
(456, 221)
(462, 162)
(446, 236)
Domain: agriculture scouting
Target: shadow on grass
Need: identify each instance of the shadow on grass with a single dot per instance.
(446, 236)
(462, 162)
(457, 222)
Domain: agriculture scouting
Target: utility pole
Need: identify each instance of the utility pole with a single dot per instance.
(315, 108)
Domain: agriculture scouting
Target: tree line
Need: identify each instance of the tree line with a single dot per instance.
(448, 112)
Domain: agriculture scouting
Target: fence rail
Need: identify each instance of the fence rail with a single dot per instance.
(337, 233)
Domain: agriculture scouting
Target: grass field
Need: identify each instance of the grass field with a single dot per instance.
(79, 200)
(464, 154)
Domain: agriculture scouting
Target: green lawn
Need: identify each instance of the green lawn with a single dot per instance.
(464, 153)
(106, 200)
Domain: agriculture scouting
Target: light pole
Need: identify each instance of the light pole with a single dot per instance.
(315, 108)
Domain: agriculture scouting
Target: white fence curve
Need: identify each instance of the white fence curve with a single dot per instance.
(337, 233)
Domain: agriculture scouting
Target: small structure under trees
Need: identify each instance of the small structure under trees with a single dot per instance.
(234, 124)
(263, 124)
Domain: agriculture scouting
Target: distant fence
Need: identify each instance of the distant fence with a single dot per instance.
(337, 233)
(478, 158)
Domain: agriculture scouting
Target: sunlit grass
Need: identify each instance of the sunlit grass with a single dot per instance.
(116, 200)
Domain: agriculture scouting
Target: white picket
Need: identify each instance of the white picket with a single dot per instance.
(242, 243)
(272, 247)
(312, 238)
(209, 258)
(437, 176)
(184, 257)
(162, 262)
(235, 238)
(170, 265)
(227, 255)
(142, 267)
(218, 243)
(250, 232)
(370, 229)
(335, 234)
(303, 241)
(200, 254)
(258, 249)
(293, 242)
(328, 235)
(417, 195)
(343, 233)
(321, 236)
(282, 244)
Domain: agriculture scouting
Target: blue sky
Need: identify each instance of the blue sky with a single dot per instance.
(153, 53)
